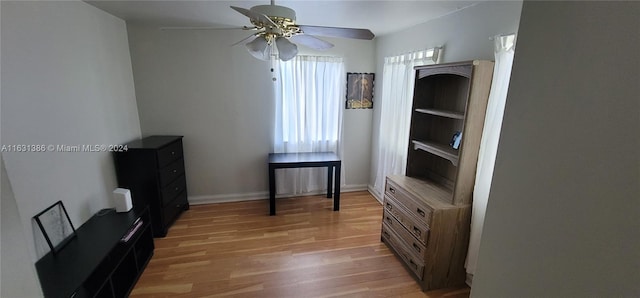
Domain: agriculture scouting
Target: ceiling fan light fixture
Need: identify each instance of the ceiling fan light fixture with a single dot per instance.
(259, 48)
(276, 26)
(286, 49)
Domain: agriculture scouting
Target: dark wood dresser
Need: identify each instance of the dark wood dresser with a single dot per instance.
(153, 169)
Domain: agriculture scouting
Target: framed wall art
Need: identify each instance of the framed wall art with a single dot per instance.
(359, 90)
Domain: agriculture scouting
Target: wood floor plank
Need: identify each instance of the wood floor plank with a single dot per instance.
(307, 250)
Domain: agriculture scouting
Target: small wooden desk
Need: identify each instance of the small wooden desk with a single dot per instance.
(305, 160)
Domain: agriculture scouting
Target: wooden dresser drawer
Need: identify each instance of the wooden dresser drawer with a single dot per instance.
(171, 172)
(416, 227)
(170, 191)
(416, 247)
(419, 210)
(173, 208)
(154, 170)
(169, 153)
(395, 242)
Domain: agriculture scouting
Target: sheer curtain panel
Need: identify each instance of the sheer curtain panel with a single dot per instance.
(395, 113)
(504, 50)
(309, 92)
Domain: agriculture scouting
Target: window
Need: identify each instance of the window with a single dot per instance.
(308, 115)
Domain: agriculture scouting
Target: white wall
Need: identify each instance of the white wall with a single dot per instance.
(66, 79)
(18, 276)
(464, 35)
(193, 83)
(564, 211)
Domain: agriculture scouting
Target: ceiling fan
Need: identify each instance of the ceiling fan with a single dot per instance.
(276, 25)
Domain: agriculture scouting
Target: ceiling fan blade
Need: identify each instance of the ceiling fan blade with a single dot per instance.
(311, 42)
(252, 36)
(337, 32)
(255, 16)
(207, 28)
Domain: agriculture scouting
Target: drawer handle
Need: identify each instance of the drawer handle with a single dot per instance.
(392, 190)
(420, 212)
(389, 220)
(415, 266)
(178, 206)
(175, 171)
(386, 234)
(173, 153)
(417, 231)
(389, 206)
(416, 247)
(177, 188)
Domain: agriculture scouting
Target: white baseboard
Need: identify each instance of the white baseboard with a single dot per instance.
(469, 279)
(352, 188)
(375, 193)
(262, 195)
(210, 199)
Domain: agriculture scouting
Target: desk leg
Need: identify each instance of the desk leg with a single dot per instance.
(336, 196)
(329, 180)
(272, 190)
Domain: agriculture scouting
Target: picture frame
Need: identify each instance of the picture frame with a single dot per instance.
(56, 226)
(359, 90)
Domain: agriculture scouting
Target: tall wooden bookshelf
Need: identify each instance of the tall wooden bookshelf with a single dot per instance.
(427, 213)
(448, 98)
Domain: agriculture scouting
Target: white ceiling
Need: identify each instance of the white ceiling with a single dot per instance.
(381, 17)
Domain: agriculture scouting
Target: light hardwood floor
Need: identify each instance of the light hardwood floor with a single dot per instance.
(306, 250)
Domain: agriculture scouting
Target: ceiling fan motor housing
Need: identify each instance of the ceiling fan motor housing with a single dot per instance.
(276, 12)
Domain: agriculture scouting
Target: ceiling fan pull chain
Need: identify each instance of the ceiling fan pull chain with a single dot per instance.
(272, 57)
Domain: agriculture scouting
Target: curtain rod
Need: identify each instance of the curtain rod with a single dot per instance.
(439, 48)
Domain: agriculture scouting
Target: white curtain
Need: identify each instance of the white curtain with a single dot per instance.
(309, 96)
(395, 113)
(504, 50)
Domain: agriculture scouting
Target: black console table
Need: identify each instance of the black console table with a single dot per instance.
(99, 261)
(305, 160)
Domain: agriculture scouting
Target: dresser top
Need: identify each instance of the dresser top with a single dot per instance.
(426, 191)
(152, 142)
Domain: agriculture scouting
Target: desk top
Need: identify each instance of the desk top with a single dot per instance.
(276, 158)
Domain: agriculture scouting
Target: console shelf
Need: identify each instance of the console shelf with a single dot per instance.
(99, 262)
